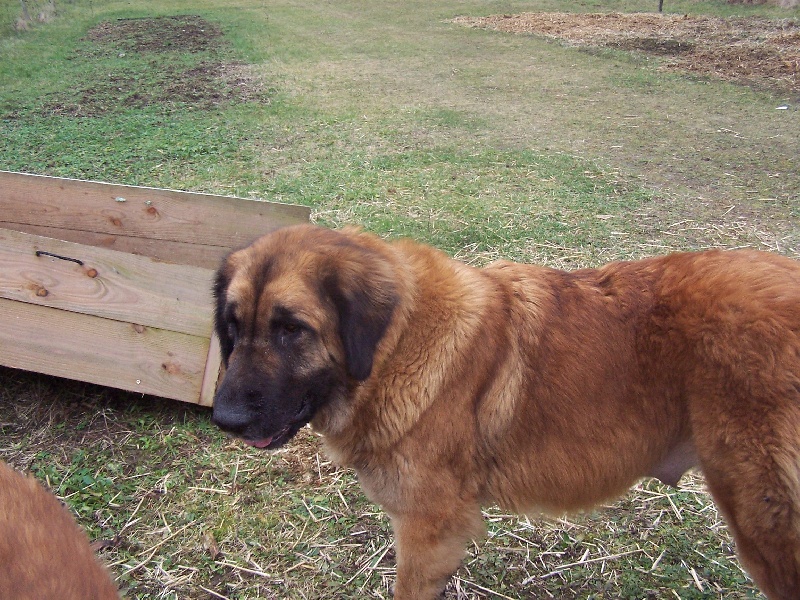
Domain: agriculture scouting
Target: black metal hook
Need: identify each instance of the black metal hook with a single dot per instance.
(43, 253)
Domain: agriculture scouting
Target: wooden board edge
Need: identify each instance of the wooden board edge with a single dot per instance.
(212, 373)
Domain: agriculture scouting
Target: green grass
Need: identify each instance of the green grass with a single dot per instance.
(386, 115)
(190, 509)
(139, 149)
(526, 197)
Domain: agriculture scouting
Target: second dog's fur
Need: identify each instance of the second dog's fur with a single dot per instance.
(44, 555)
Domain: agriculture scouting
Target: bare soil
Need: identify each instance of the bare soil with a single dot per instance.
(183, 33)
(751, 51)
(171, 81)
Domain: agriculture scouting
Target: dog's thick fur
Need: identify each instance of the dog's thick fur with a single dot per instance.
(44, 555)
(448, 387)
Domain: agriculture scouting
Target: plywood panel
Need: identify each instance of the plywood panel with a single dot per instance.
(109, 284)
(102, 351)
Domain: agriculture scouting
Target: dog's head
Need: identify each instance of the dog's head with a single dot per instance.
(299, 316)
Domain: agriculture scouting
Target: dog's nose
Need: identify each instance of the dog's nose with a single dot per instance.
(236, 401)
(233, 421)
(230, 412)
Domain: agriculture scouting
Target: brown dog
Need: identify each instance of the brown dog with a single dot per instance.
(448, 387)
(44, 555)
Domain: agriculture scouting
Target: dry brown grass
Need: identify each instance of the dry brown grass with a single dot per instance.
(750, 50)
(182, 512)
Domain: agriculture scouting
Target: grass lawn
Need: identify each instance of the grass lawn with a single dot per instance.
(484, 143)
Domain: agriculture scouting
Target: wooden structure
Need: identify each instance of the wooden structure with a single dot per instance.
(111, 284)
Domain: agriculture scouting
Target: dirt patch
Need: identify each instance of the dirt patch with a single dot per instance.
(183, 33)
(751, 51)
(204, 86)
(176, 63)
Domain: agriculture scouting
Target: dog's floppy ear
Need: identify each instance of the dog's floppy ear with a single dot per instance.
(363, 292)
(222, 326)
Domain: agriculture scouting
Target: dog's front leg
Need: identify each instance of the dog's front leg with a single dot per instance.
(429, 550)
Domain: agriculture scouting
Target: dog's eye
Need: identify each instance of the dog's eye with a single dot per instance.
(232, 323)
(286, 326)
(233, 330)
(287, 329)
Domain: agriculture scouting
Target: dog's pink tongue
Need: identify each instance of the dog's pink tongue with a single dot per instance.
(259, 443)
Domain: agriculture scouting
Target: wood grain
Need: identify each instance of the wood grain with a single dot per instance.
(139, 212)
(109, 284)
(213, 373)
(102, 351)
(182, 253)
(136, 311)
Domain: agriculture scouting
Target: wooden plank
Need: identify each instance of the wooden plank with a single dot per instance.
(75, 319)
(101, 351)
(141, 212)
(182, 253)
(109, 284)
(212, 374)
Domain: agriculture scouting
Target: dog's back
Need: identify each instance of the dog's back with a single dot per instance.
(44, 555)
(666, 363)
